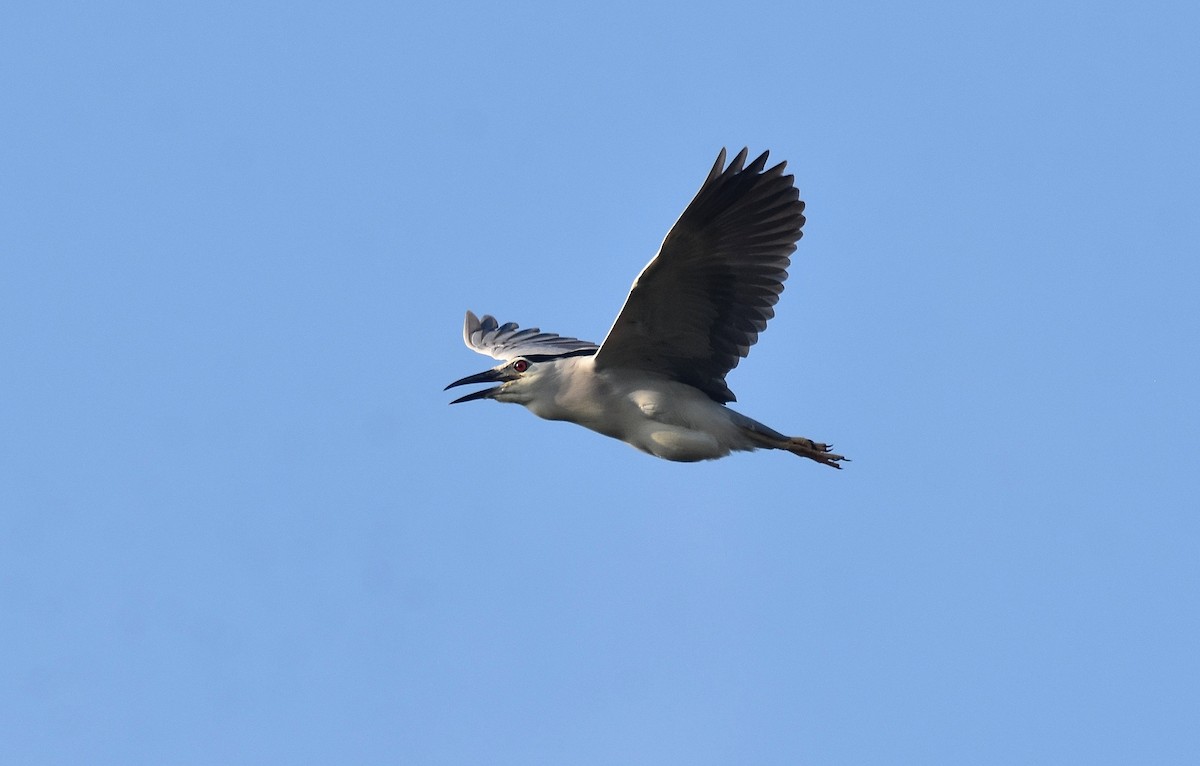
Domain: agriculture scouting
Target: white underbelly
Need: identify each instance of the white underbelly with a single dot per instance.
(681, 425)
(680, 444)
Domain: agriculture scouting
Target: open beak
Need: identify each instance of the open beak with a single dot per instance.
(487, 376)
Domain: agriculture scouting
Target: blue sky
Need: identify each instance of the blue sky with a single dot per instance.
(239, 524)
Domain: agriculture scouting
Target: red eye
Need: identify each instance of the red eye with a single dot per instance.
(520, 365)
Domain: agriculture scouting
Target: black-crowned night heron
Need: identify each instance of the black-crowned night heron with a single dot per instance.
(658, 380)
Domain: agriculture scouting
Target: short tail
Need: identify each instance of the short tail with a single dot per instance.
(769, 438)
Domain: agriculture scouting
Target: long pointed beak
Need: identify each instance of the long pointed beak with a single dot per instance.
(487, 376)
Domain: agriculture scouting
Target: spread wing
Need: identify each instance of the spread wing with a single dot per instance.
(508, 341)
(698, 307)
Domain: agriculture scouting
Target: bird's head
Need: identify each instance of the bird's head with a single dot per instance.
(518, 380)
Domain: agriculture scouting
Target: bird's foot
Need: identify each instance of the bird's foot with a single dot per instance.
(822, 453)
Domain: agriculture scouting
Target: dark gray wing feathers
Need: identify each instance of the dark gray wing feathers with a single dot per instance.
(698, 307)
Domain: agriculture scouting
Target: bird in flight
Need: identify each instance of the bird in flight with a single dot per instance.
(657, 381)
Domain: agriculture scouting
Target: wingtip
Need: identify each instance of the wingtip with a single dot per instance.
(718, 166)
(471, 324)
(740, 160)
(759, 163)
(736, 165)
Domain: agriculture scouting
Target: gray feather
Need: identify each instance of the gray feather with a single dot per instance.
(507, 341)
